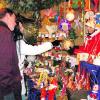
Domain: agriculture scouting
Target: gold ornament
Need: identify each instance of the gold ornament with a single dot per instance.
(67, 44)
(70, 15)
(2, 4)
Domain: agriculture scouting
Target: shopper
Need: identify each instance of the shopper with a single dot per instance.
(10, 35)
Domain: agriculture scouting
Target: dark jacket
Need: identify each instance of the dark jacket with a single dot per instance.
(9, 70)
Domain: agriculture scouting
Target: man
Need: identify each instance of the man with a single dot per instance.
(91, 44)
(10, 78)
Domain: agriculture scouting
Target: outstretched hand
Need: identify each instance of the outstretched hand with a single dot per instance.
(56, 43)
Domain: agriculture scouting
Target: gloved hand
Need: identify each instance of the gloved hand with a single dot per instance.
(56, 43)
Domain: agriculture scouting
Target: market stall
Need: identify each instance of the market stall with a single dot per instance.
(64, 71)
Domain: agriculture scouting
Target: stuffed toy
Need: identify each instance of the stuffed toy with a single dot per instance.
(94, 94)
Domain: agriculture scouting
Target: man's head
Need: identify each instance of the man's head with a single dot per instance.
(8, 17)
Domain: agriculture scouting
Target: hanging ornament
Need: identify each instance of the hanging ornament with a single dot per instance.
(46, 21)
(78, 24)
(96, 5)
(67, 44)
(50, 13)
(61, 11)
(72, 34)
(75, 4)
(43, 77)
(57, 19)
(82, 3)
(87, 5)
(70, 12)
(64, 25)
(89, 15)
(97, 20)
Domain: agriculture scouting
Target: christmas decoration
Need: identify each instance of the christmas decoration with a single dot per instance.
(97, 20)
(89, 15)
(94, 94)
(64, 25)
(70, 14)
(75, 4)
(72, 34)
(49, 22)
(87, 5)
(50, 13)
(78, 23)
(96, 5)
(67, 44)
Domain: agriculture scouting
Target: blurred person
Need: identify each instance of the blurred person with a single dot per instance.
(13, 49)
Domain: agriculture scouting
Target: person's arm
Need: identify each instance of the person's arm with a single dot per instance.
(27, 49)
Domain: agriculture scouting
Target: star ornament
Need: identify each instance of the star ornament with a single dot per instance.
(64, 25)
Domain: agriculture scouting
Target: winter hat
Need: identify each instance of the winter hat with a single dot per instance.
(90, 23)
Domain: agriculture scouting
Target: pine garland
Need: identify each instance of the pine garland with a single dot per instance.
(31, 5)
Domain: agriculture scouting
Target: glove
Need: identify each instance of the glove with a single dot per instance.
(56, 43)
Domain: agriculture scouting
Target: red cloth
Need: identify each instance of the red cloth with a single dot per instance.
(92, 46)
(96, 2)
(43, 93)
(51, 94)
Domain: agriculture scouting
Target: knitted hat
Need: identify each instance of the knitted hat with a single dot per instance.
(90, 23)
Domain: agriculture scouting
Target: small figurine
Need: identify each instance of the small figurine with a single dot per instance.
(94, 94)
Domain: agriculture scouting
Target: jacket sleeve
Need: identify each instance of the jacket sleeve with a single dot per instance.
(26, 49)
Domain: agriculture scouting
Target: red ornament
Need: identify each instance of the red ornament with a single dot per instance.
(96, 2)
(93, 95)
